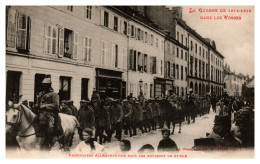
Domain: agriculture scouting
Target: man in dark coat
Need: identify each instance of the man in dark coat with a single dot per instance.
(85, 117)
(156, 114)
(48, 102)
(137, 117)
(147, 116)
(116, 118)
(65, 108)
(127, 112)
(166, 144)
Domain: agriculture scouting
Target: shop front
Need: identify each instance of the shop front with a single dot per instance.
(109, 83)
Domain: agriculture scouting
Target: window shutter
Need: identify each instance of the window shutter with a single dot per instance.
(128, 29)
(154, 65)
(113, 56)
(61, 42)
(148, 64)
(120, 29)
(111, 21)
(54, 40)
(172, 69)
(148, 36)
(136, 33)
(28, 33)
(75, 45)
(21, 39)
(151, 64)
(11, 28)
(102, 17)
(134, 61)
(84, 56)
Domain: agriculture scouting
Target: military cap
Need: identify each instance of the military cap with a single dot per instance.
(46, 80)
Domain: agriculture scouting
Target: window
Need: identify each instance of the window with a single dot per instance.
(191, 65)
(161, 67)
(177, 35)
(106, 19)
(196, 50)
(114, 58)
(181, 54)
(151, 90)
(145, 37)
(168, 48)
(88, 12)
(70, 44)
(199, 68)
(203, 70)
(200, 50)
(84, 89)
(104, 53)
(173, 68)
(153, 65)
(196, 70)
(145, 61)
(181, 72)
(186, 56)
(152, 40)
(177, 52)
(140, 63)
(191, 45)
(181, 39)
(186, 73)
(132, 60)
(13, 85)
(157, 42)
(162, 45)
(177, 71)
(65, 88)
(138, 34)
(132, 31)
(51, 40)
(186, 41)
(87, 49)
(70, 8)
(115, 23)
(125, 28)
(168, 69)
(18, 30)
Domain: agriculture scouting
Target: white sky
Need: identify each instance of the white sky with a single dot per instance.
(234, 38)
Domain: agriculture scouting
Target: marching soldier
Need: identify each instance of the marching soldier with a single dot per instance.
(85, 117)
(137, 117)
(116, 118)
(127, 112)
(147, 116)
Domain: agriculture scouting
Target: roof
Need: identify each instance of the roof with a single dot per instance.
(251, 84)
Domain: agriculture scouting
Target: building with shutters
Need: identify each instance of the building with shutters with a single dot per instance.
(82, 48)
(202, 63)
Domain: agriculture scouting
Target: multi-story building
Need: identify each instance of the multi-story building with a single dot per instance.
(204, 75)
(109, 49)
(233, 84)
(176, 49)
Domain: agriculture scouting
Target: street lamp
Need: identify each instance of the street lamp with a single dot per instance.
(141, 84)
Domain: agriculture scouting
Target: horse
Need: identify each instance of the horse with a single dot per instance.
(22, 118)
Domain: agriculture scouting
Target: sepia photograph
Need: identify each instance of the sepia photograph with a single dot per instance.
(129, 81)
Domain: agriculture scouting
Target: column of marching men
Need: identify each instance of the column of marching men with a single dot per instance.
(110, 117)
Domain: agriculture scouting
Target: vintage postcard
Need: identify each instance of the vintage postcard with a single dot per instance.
(171, 82)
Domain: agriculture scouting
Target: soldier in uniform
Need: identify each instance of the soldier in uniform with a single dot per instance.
(116, 118)
(85, 117)
(147, 116)
(48, 103)
(213, 100)
(156, 113)
(127, 112)
(65, 108)
(137, 117)
(73, 108)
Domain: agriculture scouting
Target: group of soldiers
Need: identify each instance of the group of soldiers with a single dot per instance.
(108, 116)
